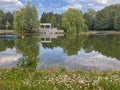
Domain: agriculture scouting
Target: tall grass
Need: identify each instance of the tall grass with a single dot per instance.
(16, 79)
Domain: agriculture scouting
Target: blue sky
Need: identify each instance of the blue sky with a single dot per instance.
(57, 6)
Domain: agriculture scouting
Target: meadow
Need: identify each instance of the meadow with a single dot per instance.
(18, 79)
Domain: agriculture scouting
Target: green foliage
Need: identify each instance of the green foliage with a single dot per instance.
(117, 21)
(1, 19)
(71, 44)
(89, 17)
(6, 44)
(107, 45)
(18, 21)
(9, 20)
(30, 18)
(108, 18)
(73, 22)
(34, 18)
(6, 20)
(54, 19)
(26, 19)
(29, 49)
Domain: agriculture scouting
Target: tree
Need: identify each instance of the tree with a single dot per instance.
(6, 44)
(1, 19)
(43, 18)
(18, 21)
(73, 21)
(54, 19)
(110, 48)
(34, 18)
(117, 21)
(89, 17)
(6, 20)
(29, 49)
(58, 21)
(26, 19)
(9, 19)
(71, 44)
(105, 18)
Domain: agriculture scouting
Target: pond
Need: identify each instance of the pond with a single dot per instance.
(72, 52)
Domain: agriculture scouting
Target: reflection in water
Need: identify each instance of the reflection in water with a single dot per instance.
(81, 52)
(71, 44)
(47, 38)
(8, 55)
(9, 58)
(107, 45)
(69, 51)
(29, 49)
(4, 44)
(82, 60)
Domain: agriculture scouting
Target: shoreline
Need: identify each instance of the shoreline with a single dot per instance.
(103, 33)
(12, 32)
(7, 32)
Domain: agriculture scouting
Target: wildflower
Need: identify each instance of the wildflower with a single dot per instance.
(106, 78)
(81, 82)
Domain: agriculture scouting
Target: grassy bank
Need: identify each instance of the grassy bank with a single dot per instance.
(14, 79)
(7, 31)
(89, 32)
(103, 32)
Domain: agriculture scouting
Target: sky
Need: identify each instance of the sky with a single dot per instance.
(57, 6)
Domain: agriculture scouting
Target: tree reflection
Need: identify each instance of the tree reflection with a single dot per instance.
(29, 49)
(71, 44)
(4, 44)
(108, 45)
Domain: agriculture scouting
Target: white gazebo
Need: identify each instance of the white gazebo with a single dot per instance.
(45, 25)
(45, 28)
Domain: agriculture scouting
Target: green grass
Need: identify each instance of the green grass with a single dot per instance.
(15, 79)
(7, 31)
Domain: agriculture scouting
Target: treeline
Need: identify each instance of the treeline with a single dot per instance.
(53, 18)
(70, 21)
(6, 20)
(105, 19)
(26, 19)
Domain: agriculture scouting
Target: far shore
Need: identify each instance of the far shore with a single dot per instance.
(103, 32)
(7, 32)
(10, 32)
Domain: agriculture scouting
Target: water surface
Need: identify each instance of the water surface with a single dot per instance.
(96, 52)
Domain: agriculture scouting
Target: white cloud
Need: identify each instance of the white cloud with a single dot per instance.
(41, 5)
(10, 5)
(9, 58)
(95, 4)
(102, 1)
(76, 6)
(90, 4)
(108, 2)
(55, 58)
(73, 4)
